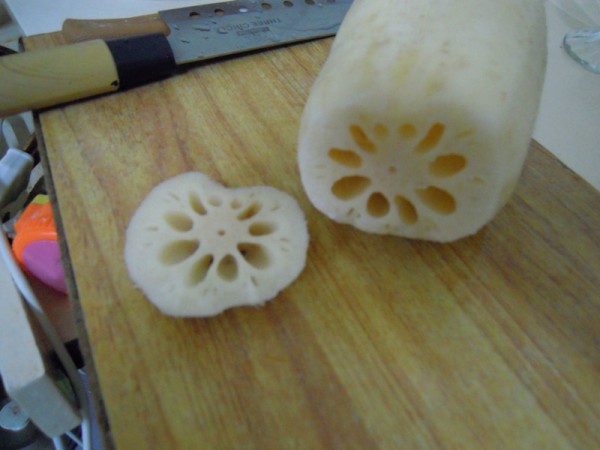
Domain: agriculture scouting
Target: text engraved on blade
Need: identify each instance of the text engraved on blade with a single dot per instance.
(250, 27)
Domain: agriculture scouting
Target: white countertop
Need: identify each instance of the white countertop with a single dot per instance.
(569, 120)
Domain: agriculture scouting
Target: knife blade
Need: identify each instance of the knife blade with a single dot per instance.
(50, 77)
(78, 30)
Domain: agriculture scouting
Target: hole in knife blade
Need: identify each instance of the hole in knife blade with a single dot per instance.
(288, 4)
(194, 14)
(265, 5)
(243, 9)
(219, 12)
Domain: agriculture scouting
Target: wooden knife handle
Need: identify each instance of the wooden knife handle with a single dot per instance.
(49, 77)
(41, 78)
(78, 30)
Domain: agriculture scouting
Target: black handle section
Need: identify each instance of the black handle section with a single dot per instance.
(142, 59)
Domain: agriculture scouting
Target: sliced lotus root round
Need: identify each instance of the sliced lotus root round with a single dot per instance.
(196, 248)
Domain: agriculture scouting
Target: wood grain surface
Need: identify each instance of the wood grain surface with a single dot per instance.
(490, 342)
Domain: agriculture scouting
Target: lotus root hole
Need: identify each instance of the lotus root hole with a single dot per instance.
(381, 131)
(215, 201)
(447, 165)
(407, 130)
(255, 255)
(406, 210)
(345, 157)
(432, 138)
(261, 228)
(252, 210)
(196, 204)
(200, 269)
(437, 199)
(178, 251)
(350, 187)
(228, 268)
(179, 221)
(378, 205)
(361, 139)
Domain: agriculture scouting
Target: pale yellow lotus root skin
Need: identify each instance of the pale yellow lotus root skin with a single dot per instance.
(419, 123)
(197, 248)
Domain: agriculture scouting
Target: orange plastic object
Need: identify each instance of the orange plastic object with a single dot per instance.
(35, 224)
(36, 244)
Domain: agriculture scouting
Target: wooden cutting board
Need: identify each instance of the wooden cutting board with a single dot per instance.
(382, 342)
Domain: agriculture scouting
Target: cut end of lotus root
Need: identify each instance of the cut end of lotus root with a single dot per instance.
(420, 130)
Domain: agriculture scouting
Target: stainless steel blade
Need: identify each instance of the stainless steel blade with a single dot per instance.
(221, 29)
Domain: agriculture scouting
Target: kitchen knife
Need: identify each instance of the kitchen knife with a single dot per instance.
(49, 77)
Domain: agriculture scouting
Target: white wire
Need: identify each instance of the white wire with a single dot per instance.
(3, 144)
(58, 443)
(74, 438)
(63, 355)
(9, 133)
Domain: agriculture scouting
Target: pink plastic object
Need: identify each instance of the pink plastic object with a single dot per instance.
(35, 244)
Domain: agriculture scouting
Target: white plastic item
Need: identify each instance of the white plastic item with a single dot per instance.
(29, 376)
(15, 168)
(419, 122)
(196, 248)
(4, 17)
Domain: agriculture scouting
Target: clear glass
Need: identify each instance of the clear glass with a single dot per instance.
(583, 45)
